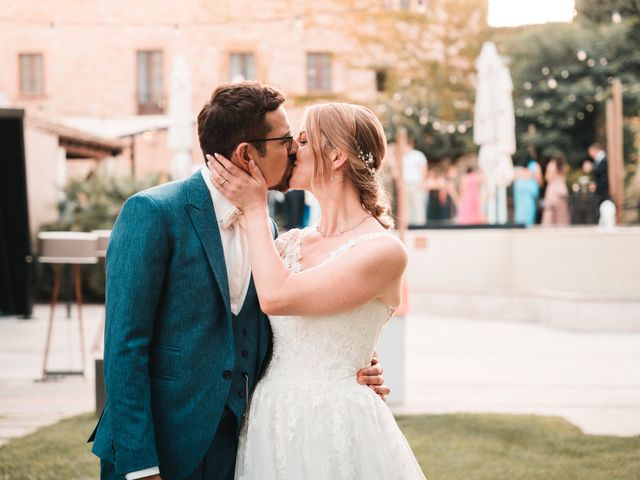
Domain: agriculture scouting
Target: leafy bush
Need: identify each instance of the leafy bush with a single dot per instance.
(88, 204)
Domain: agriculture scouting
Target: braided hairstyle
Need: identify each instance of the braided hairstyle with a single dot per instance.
(357, 132)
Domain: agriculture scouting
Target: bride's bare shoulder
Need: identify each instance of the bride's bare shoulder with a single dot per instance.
(383, 250)
(392, 248)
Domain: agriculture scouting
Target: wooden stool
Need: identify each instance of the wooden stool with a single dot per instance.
(66, 249)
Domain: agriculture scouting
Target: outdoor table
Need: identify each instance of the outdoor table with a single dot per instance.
(66, 249)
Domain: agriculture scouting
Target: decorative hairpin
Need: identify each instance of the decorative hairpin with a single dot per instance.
(368, 160)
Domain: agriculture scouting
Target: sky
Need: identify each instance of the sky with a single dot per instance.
(508, 13)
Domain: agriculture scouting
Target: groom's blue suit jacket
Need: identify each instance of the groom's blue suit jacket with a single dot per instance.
(170, 350)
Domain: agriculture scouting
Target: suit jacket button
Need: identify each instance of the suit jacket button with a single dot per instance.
(227, 374)
(241, 394)
(245, 353)
(244, 332)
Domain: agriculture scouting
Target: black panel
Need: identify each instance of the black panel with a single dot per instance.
(15, 248)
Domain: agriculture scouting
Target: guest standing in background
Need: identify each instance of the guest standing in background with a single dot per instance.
(556, 204)
(600, 172)
(469, 212)
(414, 173)
(453, 187)
(294, 205)
(442, 195)
(526, 191)
(533, 165)
(582, 203)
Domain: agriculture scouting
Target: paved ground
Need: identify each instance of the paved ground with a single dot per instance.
(591, 379)
(26, 403)
(453, 365)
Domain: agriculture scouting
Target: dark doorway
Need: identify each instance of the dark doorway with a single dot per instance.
(15, 248)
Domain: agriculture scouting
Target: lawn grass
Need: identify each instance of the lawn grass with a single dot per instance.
(517, 447)
(56, 452)
(449, 447)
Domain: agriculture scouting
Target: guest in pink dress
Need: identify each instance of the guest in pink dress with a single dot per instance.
(469, 213)
(556, 205)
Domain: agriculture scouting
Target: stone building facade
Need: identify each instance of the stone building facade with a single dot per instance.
(84, 61)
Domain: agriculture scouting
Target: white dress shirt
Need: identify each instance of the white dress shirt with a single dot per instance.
(147, 472)
(234, 245)
(236, 256)
(413, 165)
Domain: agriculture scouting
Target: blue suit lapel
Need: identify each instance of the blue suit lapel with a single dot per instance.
(204, 220)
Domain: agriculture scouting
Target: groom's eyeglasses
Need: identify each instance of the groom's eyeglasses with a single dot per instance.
(287, 140)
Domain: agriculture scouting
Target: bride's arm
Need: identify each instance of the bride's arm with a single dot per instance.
(369, 271)
(365, 274)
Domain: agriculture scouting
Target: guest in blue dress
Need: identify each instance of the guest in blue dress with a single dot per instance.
(526, 191)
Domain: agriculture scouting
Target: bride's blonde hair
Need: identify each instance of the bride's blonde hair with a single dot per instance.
(355, 131)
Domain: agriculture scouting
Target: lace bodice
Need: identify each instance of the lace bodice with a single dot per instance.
(342, 343)
(289, 246)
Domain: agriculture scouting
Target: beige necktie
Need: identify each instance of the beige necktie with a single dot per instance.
(234, 220)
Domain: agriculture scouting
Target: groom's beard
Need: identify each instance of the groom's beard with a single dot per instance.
(283, 185)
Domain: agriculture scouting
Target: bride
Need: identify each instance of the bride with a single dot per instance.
(328, 290)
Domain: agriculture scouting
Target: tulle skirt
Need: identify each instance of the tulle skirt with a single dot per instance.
(308, 433)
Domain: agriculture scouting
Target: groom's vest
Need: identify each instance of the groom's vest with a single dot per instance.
(245, 332)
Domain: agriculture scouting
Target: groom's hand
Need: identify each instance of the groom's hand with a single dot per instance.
(372, 377)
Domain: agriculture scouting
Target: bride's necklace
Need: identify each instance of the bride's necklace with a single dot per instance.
(337, 234)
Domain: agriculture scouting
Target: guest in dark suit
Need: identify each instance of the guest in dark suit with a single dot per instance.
(294, 209)
(600, 172)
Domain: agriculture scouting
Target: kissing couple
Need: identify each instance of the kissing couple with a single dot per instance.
(232, 352)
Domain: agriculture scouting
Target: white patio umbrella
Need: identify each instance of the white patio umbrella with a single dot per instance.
(180, 137)
(494, 130)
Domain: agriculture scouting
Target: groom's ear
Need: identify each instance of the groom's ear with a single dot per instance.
(244, 153)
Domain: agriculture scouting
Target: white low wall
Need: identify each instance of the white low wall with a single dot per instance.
(576, 277)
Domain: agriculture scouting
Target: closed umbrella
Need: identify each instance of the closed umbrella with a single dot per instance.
(494, 130)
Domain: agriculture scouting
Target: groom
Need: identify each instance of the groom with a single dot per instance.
(185, 339)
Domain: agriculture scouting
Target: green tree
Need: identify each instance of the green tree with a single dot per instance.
(426, 55)
(562, 77)
(604, 11)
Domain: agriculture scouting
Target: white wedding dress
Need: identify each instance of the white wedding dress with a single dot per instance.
(309, 419)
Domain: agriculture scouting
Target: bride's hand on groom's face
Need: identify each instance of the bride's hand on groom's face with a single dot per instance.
(247, 191)
(372, 377)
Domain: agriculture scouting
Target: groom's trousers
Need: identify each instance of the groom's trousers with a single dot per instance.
(218, 464)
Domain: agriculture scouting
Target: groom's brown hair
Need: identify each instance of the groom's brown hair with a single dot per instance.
(235, 114)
